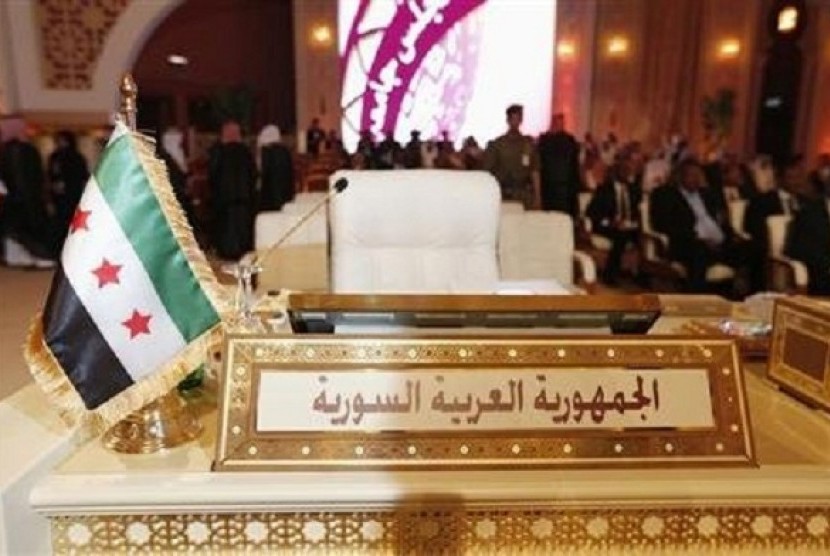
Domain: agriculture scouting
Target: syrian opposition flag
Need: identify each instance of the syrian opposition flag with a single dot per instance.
(133, 303)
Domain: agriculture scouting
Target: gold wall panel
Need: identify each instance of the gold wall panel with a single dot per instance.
(73, 34)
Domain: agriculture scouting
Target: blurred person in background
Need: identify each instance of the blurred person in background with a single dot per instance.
(589, 147)
(608, 150)
(776, 201)
(68, 173)
(276, 170)
(334, 145)
(514, 161)
(559, 168)
(615, 213)
(387, 152)
(170, 150)
(232, 175)
(314, 137)
(446, 156)
(763, 173)
(687, 211)
(411, 156)
(428, 154)
(593, 172)
(656, 171)
(29, 237)
(472, 155)
(808, 236)
(820, 177)
(366, 149)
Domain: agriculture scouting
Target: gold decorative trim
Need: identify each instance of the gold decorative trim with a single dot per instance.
(241, 446)
(447, 529)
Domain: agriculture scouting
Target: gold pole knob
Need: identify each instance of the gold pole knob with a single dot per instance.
(129, 96)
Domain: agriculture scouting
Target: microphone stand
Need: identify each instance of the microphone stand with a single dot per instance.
(245, 270)
(339, 186)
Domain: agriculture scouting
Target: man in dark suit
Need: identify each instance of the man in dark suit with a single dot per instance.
(698, 228)
(820, 177)
(615, 213)
(808, 238)
(559, 168)
(776, 201)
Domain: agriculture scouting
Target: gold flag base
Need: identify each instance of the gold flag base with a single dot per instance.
(162, 424)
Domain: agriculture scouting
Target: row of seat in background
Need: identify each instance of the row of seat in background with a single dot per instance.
(784, 274)
(531, 251)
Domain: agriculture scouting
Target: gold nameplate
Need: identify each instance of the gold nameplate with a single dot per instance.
(800, 351)
(303, 402)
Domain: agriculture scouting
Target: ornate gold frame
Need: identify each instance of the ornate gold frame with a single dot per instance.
(241, 447)
(801, 319)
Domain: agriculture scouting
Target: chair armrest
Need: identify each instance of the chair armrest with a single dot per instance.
(801, 277)
(586, 269)
(587, 225)
(654, 245)
(662, 239)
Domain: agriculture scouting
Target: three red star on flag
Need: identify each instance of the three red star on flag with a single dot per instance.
(79, 220)
(107, 273)
(138, 324)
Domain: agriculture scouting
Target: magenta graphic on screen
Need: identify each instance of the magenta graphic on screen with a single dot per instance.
(444, 65)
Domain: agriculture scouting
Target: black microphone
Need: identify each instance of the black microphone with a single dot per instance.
(339, 186)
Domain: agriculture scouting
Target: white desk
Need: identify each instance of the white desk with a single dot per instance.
(99, 501)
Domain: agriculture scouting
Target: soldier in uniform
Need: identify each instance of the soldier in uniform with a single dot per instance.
(514, 161)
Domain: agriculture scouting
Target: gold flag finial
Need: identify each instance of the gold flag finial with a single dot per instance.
(129, 97)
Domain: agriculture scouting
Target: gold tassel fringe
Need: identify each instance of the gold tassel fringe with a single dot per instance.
(156, 172)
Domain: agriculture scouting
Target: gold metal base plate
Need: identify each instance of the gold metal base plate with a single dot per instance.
(162, 424)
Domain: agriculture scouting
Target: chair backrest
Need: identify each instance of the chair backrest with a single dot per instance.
(301, 263)
(777, 232)
(309, 197)
(645, 215)
(536, 245)
(405, 231)
(737, 209)
(649, 248)
(512, 207)
(270, 226)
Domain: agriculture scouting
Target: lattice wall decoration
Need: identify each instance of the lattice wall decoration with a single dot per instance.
(456, 531)
(73, 33)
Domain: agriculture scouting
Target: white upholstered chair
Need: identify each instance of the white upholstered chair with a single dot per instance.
(415, 231)
(303, 201)
(512, 207)
(737, 210)
(539, 246)
(784, 273)
(301, 263)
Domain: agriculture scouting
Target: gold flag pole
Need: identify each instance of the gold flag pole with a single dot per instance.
(129, 99)
(166, 422)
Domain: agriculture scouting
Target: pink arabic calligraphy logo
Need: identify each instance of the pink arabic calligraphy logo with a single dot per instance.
(422, 67)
